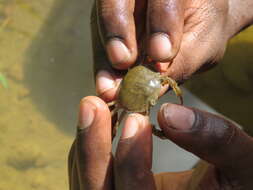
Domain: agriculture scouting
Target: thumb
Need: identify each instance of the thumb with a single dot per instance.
(210, 137)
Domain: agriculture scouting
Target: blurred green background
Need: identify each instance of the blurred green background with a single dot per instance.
(45, 69)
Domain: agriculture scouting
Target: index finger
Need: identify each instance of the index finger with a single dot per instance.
(117, 31)
(133, 158)
(90, 157)
(105, 75)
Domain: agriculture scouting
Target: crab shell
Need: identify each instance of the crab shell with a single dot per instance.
(139, 90)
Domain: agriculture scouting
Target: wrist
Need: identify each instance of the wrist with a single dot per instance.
(240, 15)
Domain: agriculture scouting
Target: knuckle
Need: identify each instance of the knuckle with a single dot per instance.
(217, 132)
(165, 6)
(127, 159)
(164, 15)
(110, 11)
(125, 166)
(222, 136)
(221, 131)
(131, 170)
(114, 19)
(106, 13)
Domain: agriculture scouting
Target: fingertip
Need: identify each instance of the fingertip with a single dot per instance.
(173, 116)
(133, 159)
(165, 24)
(93, 143)
(134, 124)
(87, 112)
(117, 51)
(89, 108)
(104, 81)
(160, 47)
(119, 54)
(95, 101)
(131, 127)
(109, 95)
(107, 85)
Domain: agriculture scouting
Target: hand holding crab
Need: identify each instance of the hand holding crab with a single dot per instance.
(138, 91)
(182, 37)
(227, 149)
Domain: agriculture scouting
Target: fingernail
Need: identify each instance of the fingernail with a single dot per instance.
(131, 126)
(104, 82)
(86, 114)
(160, 46)
(117, 51)
(177, 117)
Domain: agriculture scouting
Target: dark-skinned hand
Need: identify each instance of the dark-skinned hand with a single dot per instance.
(182, 36)
(226, 149)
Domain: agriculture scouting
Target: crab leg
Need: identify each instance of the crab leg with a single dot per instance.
(174, 86)
(116, 126)
(112, 103)
(114, 111)
(157, 132)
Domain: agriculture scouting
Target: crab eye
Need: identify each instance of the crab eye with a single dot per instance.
(152, 102)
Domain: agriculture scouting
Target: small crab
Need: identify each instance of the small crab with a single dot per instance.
(139, 91)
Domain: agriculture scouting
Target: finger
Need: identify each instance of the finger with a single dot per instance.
(210, 137)
(93, 145)
(74, 183)
(203, 43)
(107, 85)
(107, 80)
(100, 61)
(133, 158)
(140, 12)
(165, 24)
(116, 24)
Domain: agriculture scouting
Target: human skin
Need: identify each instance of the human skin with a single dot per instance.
(184, 37)
(227, 149)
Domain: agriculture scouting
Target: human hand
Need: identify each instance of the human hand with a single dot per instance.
(228, 150)
(187, 36)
